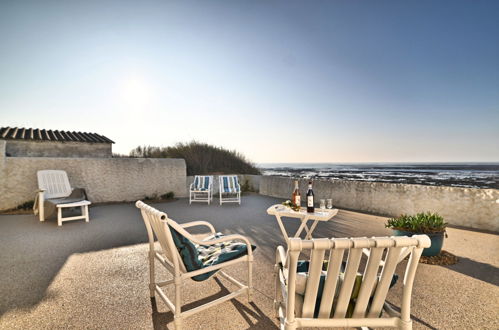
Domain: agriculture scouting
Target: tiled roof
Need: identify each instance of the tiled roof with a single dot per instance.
(19, 133)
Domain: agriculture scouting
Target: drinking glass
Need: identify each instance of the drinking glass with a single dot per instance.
(323, 204)
(329, 203)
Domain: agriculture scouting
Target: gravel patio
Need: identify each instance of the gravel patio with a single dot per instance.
(95, 275)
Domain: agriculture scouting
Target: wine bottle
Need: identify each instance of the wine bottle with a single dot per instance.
(310, 198)
(296, 197)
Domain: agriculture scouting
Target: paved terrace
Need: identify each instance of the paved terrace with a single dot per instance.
(94, 275)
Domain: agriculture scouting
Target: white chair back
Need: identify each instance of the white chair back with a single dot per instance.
(54, 182)
(338, 285)
(202, 181)
(229, 183)
(156, 223)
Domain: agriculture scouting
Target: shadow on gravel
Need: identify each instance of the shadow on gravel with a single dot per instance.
(254, 316)
(414, 318)
(476, 269)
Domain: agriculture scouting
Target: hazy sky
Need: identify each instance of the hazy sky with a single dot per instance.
(279, 81)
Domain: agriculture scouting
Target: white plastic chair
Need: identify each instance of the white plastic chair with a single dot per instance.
(159, 227)
(229, 188)
(53, 186)
(351, 296)
(201, 190)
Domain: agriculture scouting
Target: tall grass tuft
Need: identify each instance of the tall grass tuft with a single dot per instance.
(201, 158)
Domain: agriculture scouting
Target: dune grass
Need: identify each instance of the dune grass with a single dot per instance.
(201, 158)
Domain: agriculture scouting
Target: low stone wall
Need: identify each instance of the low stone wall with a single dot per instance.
(252, 181)
(475, 208)
(104, 179)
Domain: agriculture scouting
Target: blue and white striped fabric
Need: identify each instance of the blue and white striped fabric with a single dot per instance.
(201, 183)
(230, 184)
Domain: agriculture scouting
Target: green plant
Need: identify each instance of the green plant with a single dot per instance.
(425, 223)
(246, 187)
(168, 195)
(150, 198)
(26, 205)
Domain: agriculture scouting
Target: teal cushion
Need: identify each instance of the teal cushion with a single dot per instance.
(201, 256)
(302, 269)
(187, 250)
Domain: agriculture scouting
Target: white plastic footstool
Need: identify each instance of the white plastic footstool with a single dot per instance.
(84, 211)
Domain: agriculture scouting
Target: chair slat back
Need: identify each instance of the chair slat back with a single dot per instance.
(370, 277)
(229, 183)
(54, 182)
(156, 223)
(202, 181)
(333, 272)
(340, 284)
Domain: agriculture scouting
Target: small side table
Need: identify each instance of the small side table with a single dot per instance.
(279, 210)
(84, 211)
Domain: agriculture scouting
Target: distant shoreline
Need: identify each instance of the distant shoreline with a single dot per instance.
(466, 175)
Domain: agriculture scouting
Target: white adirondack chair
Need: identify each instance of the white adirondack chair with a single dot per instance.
(342, 295)
(229, 188)
(201, 190)
(167, 231)
(53, 185)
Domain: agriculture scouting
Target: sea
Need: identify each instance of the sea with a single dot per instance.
(468, 175)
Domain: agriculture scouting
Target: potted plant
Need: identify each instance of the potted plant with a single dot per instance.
(431, 224)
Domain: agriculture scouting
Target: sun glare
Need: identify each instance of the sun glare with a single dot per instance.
(135, 91)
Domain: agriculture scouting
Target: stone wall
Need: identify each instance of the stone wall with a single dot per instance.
(104, 179)
(20, 148)
(469, 207)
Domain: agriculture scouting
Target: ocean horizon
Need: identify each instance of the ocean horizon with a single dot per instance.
(483, 175)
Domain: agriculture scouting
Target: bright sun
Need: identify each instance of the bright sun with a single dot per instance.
(135, 91)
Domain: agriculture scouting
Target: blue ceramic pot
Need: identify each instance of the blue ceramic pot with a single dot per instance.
(437, 241)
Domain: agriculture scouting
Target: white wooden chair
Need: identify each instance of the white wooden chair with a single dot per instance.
(54, 188)
(229, 189)
(201, 190)
(328, 292)
(175, 243)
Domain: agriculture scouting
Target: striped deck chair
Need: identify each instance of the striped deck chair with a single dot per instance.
(230, 190)
(326, 291)
(201, 190)
(189, 258)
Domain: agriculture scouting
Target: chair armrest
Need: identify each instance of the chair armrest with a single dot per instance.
(225, 239)
(281, 256)
(199, 223)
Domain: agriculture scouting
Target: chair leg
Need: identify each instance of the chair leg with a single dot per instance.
(41, 213)
(41, 208)
(59, 216)
(276, 290)
(404, 325)
(250, 280)
(289, 326)
(85, 212)
(177, 322)
(152, 281)
(178, 317)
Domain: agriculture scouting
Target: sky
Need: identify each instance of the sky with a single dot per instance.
(278, 81)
